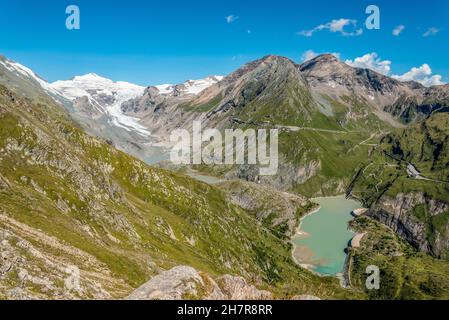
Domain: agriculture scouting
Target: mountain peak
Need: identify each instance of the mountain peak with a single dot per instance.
(272, 57)
(321, 61)
(267, 61)
(90, 77)
(326, 57)
(325, 65)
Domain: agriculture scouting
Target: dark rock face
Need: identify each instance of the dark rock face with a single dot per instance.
(399, 214)
(417, 107)
(150, 101)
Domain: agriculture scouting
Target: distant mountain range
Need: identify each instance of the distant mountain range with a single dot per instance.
(325, 79)
(351, 107)
(96, 102)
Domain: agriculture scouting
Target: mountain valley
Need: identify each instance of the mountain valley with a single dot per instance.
(85, 182)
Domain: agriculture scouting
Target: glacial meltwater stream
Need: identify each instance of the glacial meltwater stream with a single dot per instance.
(324, 235)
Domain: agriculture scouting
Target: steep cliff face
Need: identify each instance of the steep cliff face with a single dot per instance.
(411, 108)
(418, 218)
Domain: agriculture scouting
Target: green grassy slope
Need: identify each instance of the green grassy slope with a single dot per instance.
(404, 272)
(425, 145)
(117, 219)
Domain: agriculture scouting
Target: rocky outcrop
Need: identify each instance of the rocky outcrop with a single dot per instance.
(424, 102)
(179, 283)
(151, 100)
(410, 216)
(87, 107)
(356, 240)
(184, 282)
(328, 76)
(237, 288)
(358, 212)
(279, 210)
(287, 177)
(4, 184)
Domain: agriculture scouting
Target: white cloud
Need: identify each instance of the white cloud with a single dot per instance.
(422, 75)
(231, 18)
(336, 25)
(371, 61)
(398, 30)
(310, 54)
(431, 32)
(340, 24)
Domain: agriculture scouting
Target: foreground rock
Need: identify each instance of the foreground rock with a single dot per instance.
(236, 288)
(184, 282)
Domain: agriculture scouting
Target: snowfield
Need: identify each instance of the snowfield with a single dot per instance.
(98, 90)
(106, 95)
(192, 87)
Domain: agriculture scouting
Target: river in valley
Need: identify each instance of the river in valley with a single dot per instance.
(324, 235)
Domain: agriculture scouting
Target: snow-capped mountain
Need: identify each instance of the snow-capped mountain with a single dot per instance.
(95, 96)
(27, 74)
(190, 87)
(104, 95)
(107, 96)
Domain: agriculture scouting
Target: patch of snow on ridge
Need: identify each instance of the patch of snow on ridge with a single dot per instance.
(197, 86)
(106, 95)
(22, 71)
(193, 87)
(165, 88)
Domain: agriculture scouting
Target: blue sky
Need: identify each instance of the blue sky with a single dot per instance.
(153, 42)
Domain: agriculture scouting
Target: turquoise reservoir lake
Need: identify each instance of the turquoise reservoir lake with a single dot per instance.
(324, 235)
